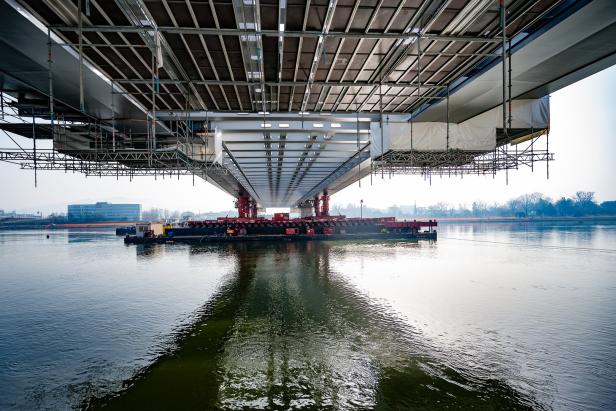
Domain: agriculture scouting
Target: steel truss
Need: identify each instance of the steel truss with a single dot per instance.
(113, 164)
(459, 163)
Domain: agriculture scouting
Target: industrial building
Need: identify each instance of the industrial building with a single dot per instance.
(103, 211)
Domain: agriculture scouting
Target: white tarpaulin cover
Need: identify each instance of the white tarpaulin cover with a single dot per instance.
(531, 114)
(432, 137)
(475, 134)
(218, 146)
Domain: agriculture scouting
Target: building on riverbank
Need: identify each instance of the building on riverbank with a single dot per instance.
(103, 211)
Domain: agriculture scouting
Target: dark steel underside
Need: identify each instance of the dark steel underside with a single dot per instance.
(207, 66)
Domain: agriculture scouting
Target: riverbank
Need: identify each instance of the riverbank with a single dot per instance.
(52, 225)
(48, 224)
(482, 220)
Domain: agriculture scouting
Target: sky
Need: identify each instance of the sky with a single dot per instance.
(582, 136)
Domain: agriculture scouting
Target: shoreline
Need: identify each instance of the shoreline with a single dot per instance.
(46, 225)
(487, 220)
(443, 220)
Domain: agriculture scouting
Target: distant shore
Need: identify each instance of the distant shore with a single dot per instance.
(581, 219)
(50, 225)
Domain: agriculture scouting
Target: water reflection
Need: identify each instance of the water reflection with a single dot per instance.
(84, 235)
(146, 251)
(286, 331)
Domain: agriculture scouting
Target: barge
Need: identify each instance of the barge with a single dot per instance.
(128, 230)
(281, 228)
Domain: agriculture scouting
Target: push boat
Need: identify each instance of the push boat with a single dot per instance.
(282, 228)
(128, 230)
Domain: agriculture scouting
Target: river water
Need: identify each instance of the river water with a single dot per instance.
(488, 317)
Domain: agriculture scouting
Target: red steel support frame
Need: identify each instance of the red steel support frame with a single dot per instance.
(325, 204)
(242, 206)
(317, 208)
(243, 203)
(253, 208)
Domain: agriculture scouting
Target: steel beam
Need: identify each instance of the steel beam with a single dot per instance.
(276, 33)
(226, 54)
(285, 83)
(298, 56)
(318, 52)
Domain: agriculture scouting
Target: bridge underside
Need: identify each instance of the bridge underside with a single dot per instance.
(278, 102)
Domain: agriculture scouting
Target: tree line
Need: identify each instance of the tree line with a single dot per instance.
(582, 203)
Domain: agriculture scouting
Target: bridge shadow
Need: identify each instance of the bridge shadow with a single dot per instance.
(287, 332)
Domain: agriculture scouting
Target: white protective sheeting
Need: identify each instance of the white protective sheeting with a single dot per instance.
(432, 137)
(530, 114)
(406, 136)
(475, 134)
(423, 136)
(472, 137)
(218, 146)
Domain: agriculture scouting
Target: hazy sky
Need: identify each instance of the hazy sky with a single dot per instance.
(582, 136)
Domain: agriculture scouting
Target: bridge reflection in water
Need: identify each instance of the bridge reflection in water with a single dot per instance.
(285, 331)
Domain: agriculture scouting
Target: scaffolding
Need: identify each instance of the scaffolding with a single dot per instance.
(111, 153)
(411, 75)
(453, 163)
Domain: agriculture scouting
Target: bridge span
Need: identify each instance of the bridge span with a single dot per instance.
(283, 103)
